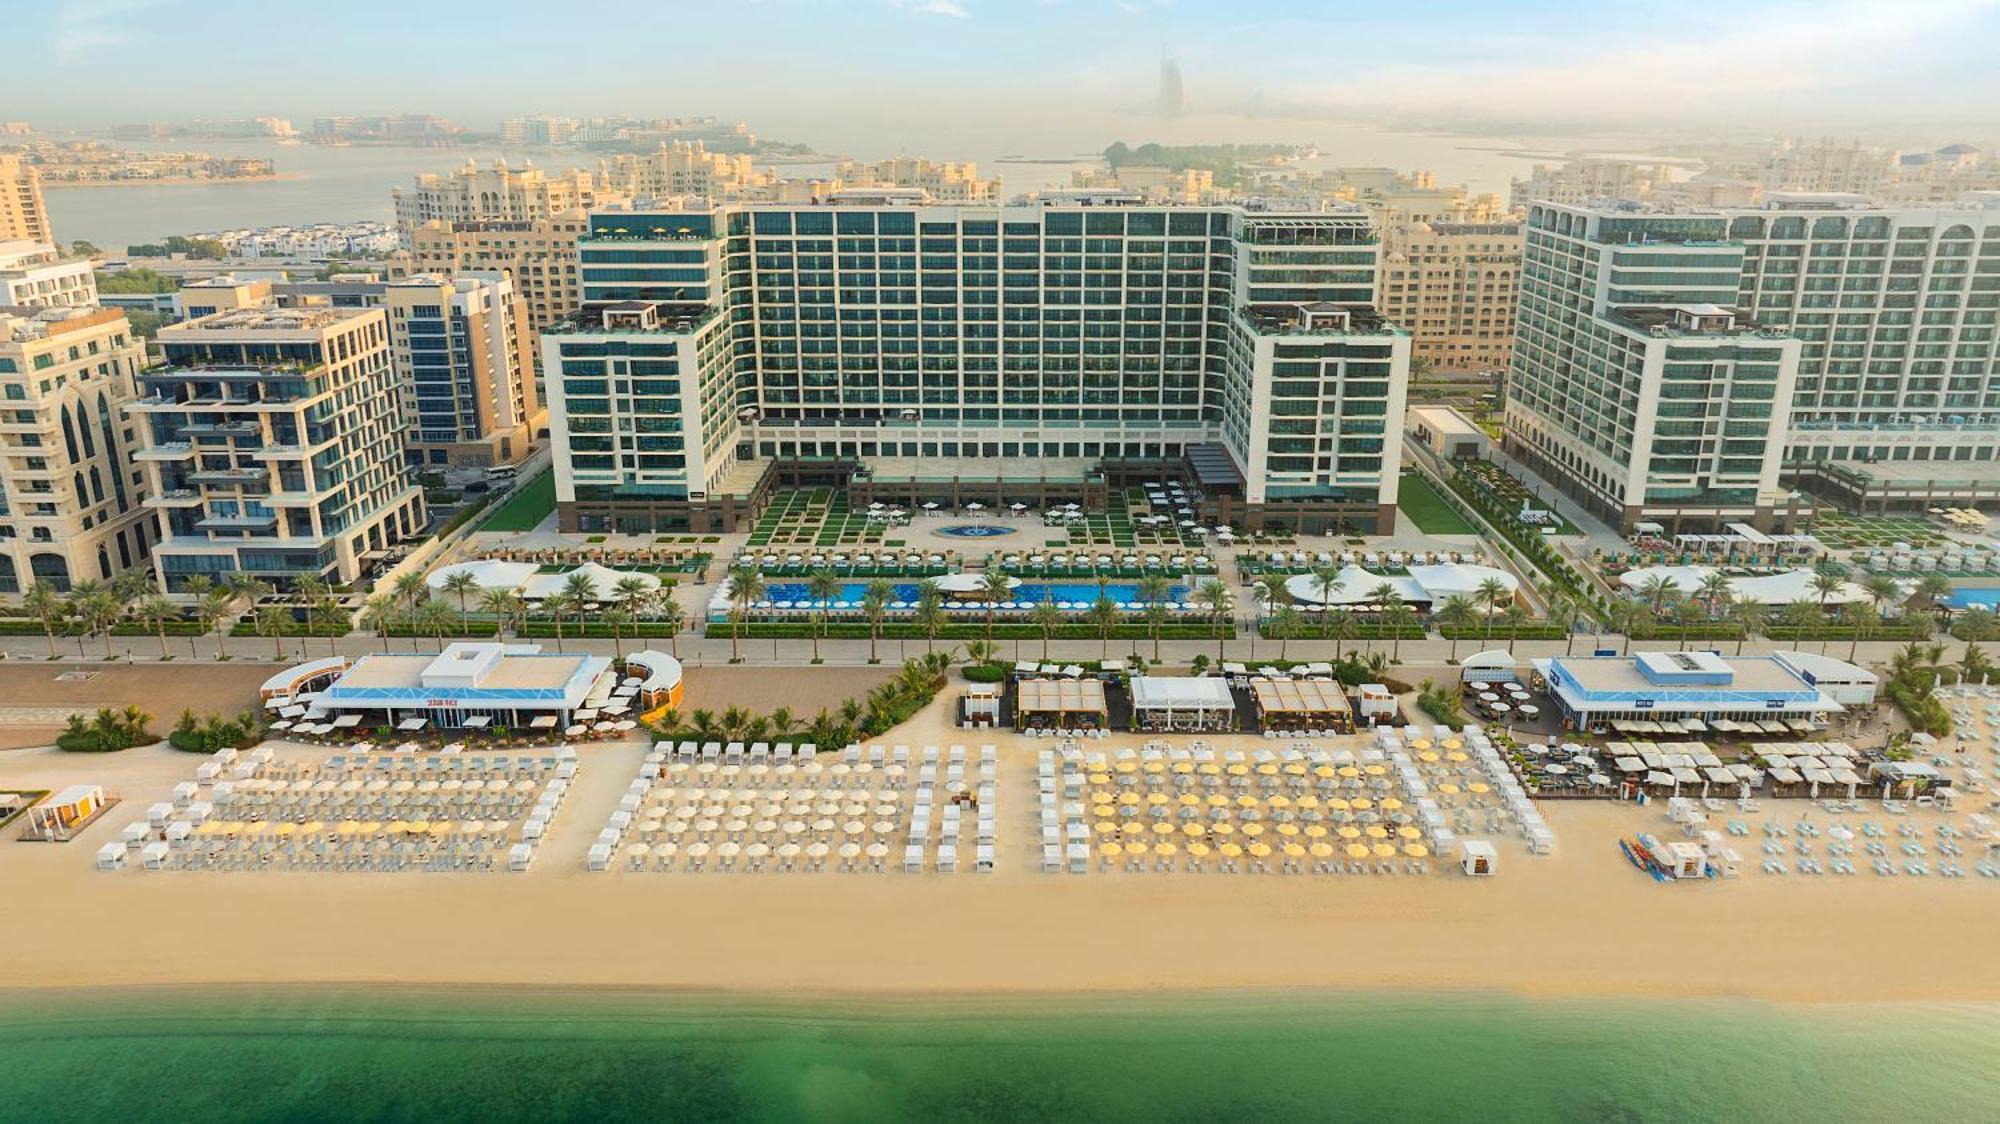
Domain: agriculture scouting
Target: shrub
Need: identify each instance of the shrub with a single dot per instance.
(213, 732)
(1439, 703)
(108, 732)
(985, 673)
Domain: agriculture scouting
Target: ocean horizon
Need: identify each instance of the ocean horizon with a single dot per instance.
(376, 1053)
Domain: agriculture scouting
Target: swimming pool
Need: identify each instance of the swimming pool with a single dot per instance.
(1974, 598)
(1085, 593)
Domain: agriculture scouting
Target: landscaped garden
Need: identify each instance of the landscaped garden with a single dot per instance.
(815, 517)
(533, 501)
(1427, 509)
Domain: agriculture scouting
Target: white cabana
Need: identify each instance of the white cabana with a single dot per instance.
(487, 573)
(1769, 589)
(1496, 666)
(540, 587)
(962, 584)
(1175, 703)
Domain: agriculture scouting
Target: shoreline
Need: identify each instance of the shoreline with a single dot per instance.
(174, 181)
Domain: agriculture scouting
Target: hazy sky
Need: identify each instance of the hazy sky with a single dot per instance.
(833, 70)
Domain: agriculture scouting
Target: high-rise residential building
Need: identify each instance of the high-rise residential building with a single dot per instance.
(273, 446)
(70, 495)
(1637, 385)
(464, 358)
(23, 214)
(498, 193)
(1021, 353)
(37, 275)
(675, 169)
(1452, 286)
(538, 129)
(947, 182)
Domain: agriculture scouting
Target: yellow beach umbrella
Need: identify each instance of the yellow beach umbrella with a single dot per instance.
(1408, 832)
(1323, 772)
(1104, 827)
(1321, 850)
(1193, 830)
(1198, 850)
(1189, 800)
(1307, 801)
(1259, 850)
(1448, 788)
(1377, 831)
(1229, 850)
(1224, 828)
(1377, 770)
(1163, 829)
(1428, 757)
(1165, 849)
(1156, 766)
(1357, 851)
(1453, 743)
(1457, 758)
(368, 827)
(1218, 800)
(1420, 743)
(1267, 769)
(1337, 804)
(1288, 829)
(1294, 851)
(1361, 803)
(1385, 850)
(1183, 767)
(1106, 811)
(1416, 850)
(1390, 803)
(420, 827)
(1209, 769)
(1349, 771)
(1280, 801)
(256, 827)
(1100, 778)
(1253, 830)
(1246, 802)
(1127, 766)
(1349, 831)
(1294, 769)
(1128, 798)
(285, 829)
(349, 827)
(1480, 786)
(1315, 831)
(1110, 850)
(1158, 798)
(311, 827)
(1239, 770)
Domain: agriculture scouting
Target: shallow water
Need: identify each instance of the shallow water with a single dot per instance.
(299, 1054)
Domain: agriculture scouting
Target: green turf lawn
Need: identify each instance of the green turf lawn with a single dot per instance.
(527, 507)
(1427, 509)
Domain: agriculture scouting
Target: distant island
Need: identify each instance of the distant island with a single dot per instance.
(1227, 161)
(89, 163)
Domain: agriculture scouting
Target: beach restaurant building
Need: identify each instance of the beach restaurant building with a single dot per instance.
(470, 685)
(1594, 691)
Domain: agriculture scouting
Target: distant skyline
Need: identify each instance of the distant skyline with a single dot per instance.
(876, 72)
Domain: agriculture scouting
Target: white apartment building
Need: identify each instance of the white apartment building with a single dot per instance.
(37, 275)
(70, 494)
(498, 193)
(1636, 385)
(273, 446)
(678, 168)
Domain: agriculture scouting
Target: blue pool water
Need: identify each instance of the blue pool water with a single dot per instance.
(974, 531)
(1124, 593)
(1974, 598)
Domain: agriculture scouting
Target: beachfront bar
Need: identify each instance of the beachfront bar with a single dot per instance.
(1596, 691)
(1166, 703)
(471, 685)
(1067, 704)
(1293, 705)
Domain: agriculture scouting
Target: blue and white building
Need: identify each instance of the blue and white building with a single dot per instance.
(471, 684)
(1593, 691)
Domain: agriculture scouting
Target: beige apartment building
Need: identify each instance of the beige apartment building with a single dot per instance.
(23, 214)
(678, 168)
(38, 275)
(463, 354)
(70, 495)
(539, 255)
(1452, 286)
(474, 194)
(947, 182)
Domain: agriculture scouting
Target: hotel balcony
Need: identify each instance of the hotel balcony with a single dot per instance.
(239, 522)
(171, 451)
(225, 429)
(229, 477)
(177, 497)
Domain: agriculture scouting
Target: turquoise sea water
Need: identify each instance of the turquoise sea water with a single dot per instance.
(309, 1055)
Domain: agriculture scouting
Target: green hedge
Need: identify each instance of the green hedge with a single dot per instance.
(1365, 630)
(321, 628)
(1501, 632)
(596, 630)
(1843, 632)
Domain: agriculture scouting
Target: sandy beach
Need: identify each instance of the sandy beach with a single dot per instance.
(1579, 923)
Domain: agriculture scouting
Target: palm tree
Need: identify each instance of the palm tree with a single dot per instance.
(1565, 614)
(156, 611)
(1324, 579)
(211, 609)
(1626, 617)
(822, 586)
(1343, 626)
(499, 604)
(1825, 583)
(1284, 625)
(1154, 589)
(462, 585)
(1860, 617)
(409, 588)
(1048, 617)
(1883, 590)
(271, 621)
(1974, 664)
(1656, 591)
(559, 604)
(1105, 615)
(197, 588)
(1493, 594)
(377, 612)
(617, 618)
(1270, 589)
(746, 588)
(1714, 591)
(1516, 616)
(1455, 615)
(1931, 589)
(1751, 617)
(1214, 596)
(313, 590)
(994, 589)
(1977, 622)
(1400, 616)
(131, 585)
(875, 599)
(1686, 613)
(47, 605)
(99, 609)
(631, 591)
(434, 617)
(930, 614)
(1803, 615)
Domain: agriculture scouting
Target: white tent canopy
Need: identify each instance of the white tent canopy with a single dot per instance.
(1357, 586)
(967, 583)
(1769, 589)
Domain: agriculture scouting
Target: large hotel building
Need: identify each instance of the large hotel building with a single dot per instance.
(1701, 367)
(1024, 353)
(273, 445)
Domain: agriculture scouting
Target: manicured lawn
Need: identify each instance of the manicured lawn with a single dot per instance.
(1427, 509)
(527, 507)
